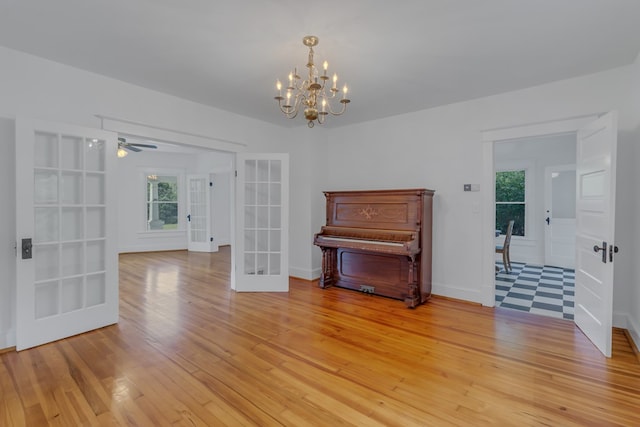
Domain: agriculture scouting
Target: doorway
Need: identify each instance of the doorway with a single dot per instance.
(522, 194)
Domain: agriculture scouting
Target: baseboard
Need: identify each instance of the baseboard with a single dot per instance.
(7, 340)
(633, 332)
(304, 273)
(459, 293)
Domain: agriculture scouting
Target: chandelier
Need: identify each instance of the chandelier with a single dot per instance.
(312, 93)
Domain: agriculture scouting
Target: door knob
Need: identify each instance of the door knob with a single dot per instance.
(597, 248)
(548, 220)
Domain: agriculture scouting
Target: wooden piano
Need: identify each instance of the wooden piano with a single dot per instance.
(378, 242)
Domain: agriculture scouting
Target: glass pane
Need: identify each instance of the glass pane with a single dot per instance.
(46, 225)
(46, 299)
(274, 264)
(72, 259)
(274, 240)
(95, 155)
(96, 285)
(505, 213)
(263, 193)
(46, 259)
(263, 217)
(95, 223)
(274, 195)
(250, 171)
(45, 150)
(71, 188)
(72, 224)
(95, 256)
(94, 184)
(72, 295)
(263, 170)
(263, 240)
(250, 216)
(167, 187)
(250, 240)
(45, 187)
(72, 152)
(274, 217)
(250, 194)
(276, 171)
(249, 263)
(510, 186)
(262, 263)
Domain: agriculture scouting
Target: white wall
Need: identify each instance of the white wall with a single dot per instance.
(7, 232)
(633, 230)
(539, 153)
(441, 149)
(38, 88)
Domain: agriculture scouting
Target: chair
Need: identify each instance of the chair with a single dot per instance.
(504, 248)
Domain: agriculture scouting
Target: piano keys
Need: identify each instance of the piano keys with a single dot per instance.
(378, 242)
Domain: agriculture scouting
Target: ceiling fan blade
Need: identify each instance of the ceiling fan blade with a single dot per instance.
(131, 148)
(142, 145)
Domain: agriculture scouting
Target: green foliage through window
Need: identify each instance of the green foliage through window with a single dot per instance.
(510, 201)
(162, 202)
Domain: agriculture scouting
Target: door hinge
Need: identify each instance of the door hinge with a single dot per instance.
(236, 174)
(210, 183)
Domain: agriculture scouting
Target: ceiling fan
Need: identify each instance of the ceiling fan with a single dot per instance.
(133, 146)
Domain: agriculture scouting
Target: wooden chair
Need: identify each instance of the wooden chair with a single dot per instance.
(504, 248)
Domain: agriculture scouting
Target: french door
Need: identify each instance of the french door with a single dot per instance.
(262, 223)
(595, 221)
(200, 237)
(67, 266)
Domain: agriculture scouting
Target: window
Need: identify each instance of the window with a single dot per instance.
(162, 202)
(511, 200)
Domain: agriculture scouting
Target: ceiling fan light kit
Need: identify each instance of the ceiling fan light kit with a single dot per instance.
(312, 93)
(123, 146)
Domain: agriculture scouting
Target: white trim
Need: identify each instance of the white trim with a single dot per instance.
(488, 138)
(158, 133)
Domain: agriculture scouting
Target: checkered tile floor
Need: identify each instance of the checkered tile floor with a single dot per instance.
(548, 291)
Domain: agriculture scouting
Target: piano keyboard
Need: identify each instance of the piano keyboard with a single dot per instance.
(377, 242)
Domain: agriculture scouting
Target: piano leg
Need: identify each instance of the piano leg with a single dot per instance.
(326, 279)
(413, 297)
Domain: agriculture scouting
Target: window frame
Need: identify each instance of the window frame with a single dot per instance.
(180, 178)
(529, 179)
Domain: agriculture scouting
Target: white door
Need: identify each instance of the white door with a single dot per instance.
(262, 223)
(560, 216)
(67, 264)
(595, 213)
(200, 237)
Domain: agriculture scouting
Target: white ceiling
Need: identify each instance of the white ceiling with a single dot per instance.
(397, 57)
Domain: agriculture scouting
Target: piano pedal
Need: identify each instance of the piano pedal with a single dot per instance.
(367, 289)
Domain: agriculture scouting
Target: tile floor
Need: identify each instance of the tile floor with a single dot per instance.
(544, 290)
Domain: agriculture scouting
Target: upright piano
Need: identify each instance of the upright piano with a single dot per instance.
(378, 242)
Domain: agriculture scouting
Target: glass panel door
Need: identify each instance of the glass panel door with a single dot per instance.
(68, 281)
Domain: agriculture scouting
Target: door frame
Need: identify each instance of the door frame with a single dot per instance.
(489, 138)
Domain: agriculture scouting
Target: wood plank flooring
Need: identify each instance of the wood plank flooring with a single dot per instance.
(189, 352)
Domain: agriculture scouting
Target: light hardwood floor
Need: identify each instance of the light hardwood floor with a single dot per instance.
(189, 352)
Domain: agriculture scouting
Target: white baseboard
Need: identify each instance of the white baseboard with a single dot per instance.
(451, 291)
(151, 248)
(304, 273)
(627, 322)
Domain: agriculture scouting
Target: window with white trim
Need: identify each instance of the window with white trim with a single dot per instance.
(511, 203)
(162, 202)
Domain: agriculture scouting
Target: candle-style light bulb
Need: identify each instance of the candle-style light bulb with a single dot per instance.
(335, 80)
(344, 92)
(289, 98)
(325, 65)
(324, 104)
(279, 87)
